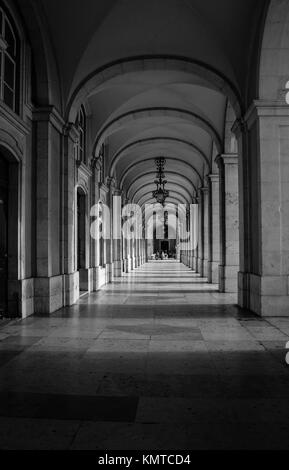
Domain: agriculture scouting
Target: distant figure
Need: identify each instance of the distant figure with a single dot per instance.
(163, 255)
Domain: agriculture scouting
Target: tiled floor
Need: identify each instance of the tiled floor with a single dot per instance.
(157, 360)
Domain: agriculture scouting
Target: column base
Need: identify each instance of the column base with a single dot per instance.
(267, 296)
(195, 264)
(127, 265)
(228, 276)
(213, 272)
(86, 280)
(71, 288)
(200, 267)
(99, 279)
(117, 268)
(48, 294)
(206, 268)
(20, 298)
(244, 290)
(109, 273)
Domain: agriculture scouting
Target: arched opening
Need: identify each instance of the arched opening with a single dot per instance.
(263, 144)
(81, 126)
(81, 250)
(9, 217)
(101, 239)
(4, 184)
(10, 61)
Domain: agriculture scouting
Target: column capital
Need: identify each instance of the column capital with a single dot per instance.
(204, 189)
(50, 115)
(239, 127)
(118, 192)
(214, 178)
(95, 163)
(110, 182)
(103, 188)
(227, 159)
(71, 131)
(199, 196)
(264, 109)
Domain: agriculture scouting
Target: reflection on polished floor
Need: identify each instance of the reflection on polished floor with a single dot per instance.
(157, 360)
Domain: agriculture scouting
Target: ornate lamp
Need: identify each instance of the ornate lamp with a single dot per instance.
(161, 194)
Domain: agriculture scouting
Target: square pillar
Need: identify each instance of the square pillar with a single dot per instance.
(229, 222)
(214, 255)
(117, 234)
(195, 234)
(49, 282)
(264, 273)
(200, 257)
(206, 230)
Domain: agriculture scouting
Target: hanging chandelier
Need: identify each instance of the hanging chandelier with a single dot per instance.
(161, 194)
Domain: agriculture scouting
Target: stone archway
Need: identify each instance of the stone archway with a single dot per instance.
(9, 234)
(264, 182)
(81, 238)
(273, 71)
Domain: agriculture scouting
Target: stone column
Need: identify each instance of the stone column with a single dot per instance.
(126, 255)
(94, 226)
(84, 178)
(138, 262)
(117, 232)
(263, 140)
(195, 234)
(132, 254)
(200, 257)
(214, 262)
(181, 238)
(109, 241)
(188, 230)
(206, 230)
(49, 288)
(71, 276)
(189, 251)
(141, 252)
(229, 222)
(144, 253)
(127, 248)
(240, 130)
(144, 256)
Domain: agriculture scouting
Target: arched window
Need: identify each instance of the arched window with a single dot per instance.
(81, 124)
(9, 59)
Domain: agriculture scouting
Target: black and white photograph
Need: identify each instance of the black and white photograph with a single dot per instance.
(144, 229)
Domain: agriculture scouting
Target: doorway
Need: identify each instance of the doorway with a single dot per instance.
(81, 232)
(4, 185)
(81, 241)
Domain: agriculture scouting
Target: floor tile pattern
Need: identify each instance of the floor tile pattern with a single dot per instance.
(156, 360)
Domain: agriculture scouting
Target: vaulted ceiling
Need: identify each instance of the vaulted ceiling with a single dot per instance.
(155, 77)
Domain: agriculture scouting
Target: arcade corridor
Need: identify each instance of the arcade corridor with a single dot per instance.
(156, 360)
